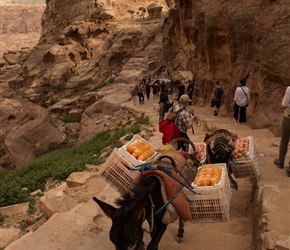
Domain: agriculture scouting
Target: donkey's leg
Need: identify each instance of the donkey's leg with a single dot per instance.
(156, 235)
(180, 230)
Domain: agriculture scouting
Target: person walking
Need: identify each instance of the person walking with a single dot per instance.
(241, 101)
(141, 90)
(164, 105)
(216, 97)
(155, 90)
(184, 119)
(285, 137)
(190, 90)
(148, 90)
(181, 89)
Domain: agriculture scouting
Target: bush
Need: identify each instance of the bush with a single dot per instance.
(58, 164)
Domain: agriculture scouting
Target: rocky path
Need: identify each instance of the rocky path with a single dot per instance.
(79, 228)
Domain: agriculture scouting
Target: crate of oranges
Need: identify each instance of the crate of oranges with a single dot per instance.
(211, 202)
(138, 151)
(246, 162)
(201, 151)
(116, 172)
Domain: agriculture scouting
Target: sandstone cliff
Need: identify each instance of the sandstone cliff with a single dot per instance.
(85, 45)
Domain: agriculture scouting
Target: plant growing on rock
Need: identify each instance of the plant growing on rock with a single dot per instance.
(142, 12)
(131, 12)
(59, 164)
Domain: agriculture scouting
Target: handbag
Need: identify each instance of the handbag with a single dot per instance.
(246, 97)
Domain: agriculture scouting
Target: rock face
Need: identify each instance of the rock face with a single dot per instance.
(85, 46)
(227, 40)
(26, 131)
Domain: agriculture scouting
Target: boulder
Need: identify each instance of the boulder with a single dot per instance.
(26, 131)
(154, 10)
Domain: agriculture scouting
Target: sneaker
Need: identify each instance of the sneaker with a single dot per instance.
(278, 163)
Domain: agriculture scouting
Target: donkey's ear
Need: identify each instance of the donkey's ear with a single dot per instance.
(108, 209)
(138, 208)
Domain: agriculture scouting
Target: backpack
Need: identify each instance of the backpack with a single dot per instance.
(171, 116)
(219, 93)
(167, 106)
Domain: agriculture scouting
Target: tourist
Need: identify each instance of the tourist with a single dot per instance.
(164, 105)
(190, 89)
(184, 118)
(181, 89)
(141, 90)
(279, 162)
(241, 101)
(155, 90)
(148, 90)
(134, 93)
(216, 97)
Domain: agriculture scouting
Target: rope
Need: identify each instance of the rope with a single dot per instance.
(168, 171)
(152, 217)
(165, 205)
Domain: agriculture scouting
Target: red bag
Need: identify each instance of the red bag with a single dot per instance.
(169, 130)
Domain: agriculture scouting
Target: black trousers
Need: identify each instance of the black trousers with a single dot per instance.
(240, 113)
(181, 143)
(141, 97)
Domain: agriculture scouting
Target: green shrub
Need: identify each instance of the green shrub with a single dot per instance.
(53, 101)
(58, 164)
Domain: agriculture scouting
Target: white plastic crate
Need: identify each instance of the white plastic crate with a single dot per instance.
(211, 203)
(116, 172)
(130, 158)
(249, 165)
(190, 150)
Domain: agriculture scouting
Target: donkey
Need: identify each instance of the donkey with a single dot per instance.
(143, 202)
(220, 145)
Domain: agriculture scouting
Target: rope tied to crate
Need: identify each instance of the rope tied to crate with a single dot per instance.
(167, 170)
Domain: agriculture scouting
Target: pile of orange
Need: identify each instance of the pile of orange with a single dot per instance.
(200, 148)
(241, 147)
(208, 175)
(140, 150)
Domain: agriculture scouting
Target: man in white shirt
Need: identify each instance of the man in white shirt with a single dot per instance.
(285, 136)
(241, 101)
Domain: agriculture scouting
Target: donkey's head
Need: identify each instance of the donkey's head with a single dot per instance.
(221, 151)
(126, 232)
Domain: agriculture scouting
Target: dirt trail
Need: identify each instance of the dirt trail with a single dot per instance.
(237, 232)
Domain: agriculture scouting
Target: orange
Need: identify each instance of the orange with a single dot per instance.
(198, 182)
(207, 182)
(131, 148)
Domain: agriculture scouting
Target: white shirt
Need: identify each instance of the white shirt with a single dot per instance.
(242, 98)
(286, 98)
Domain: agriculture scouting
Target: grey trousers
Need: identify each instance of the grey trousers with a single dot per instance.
(285, 137)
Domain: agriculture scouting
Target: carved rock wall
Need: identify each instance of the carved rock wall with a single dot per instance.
(227, 40)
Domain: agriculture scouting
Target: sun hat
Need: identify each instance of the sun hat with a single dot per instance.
(184, 98)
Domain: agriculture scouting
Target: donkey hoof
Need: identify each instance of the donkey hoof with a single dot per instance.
(179, 239)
